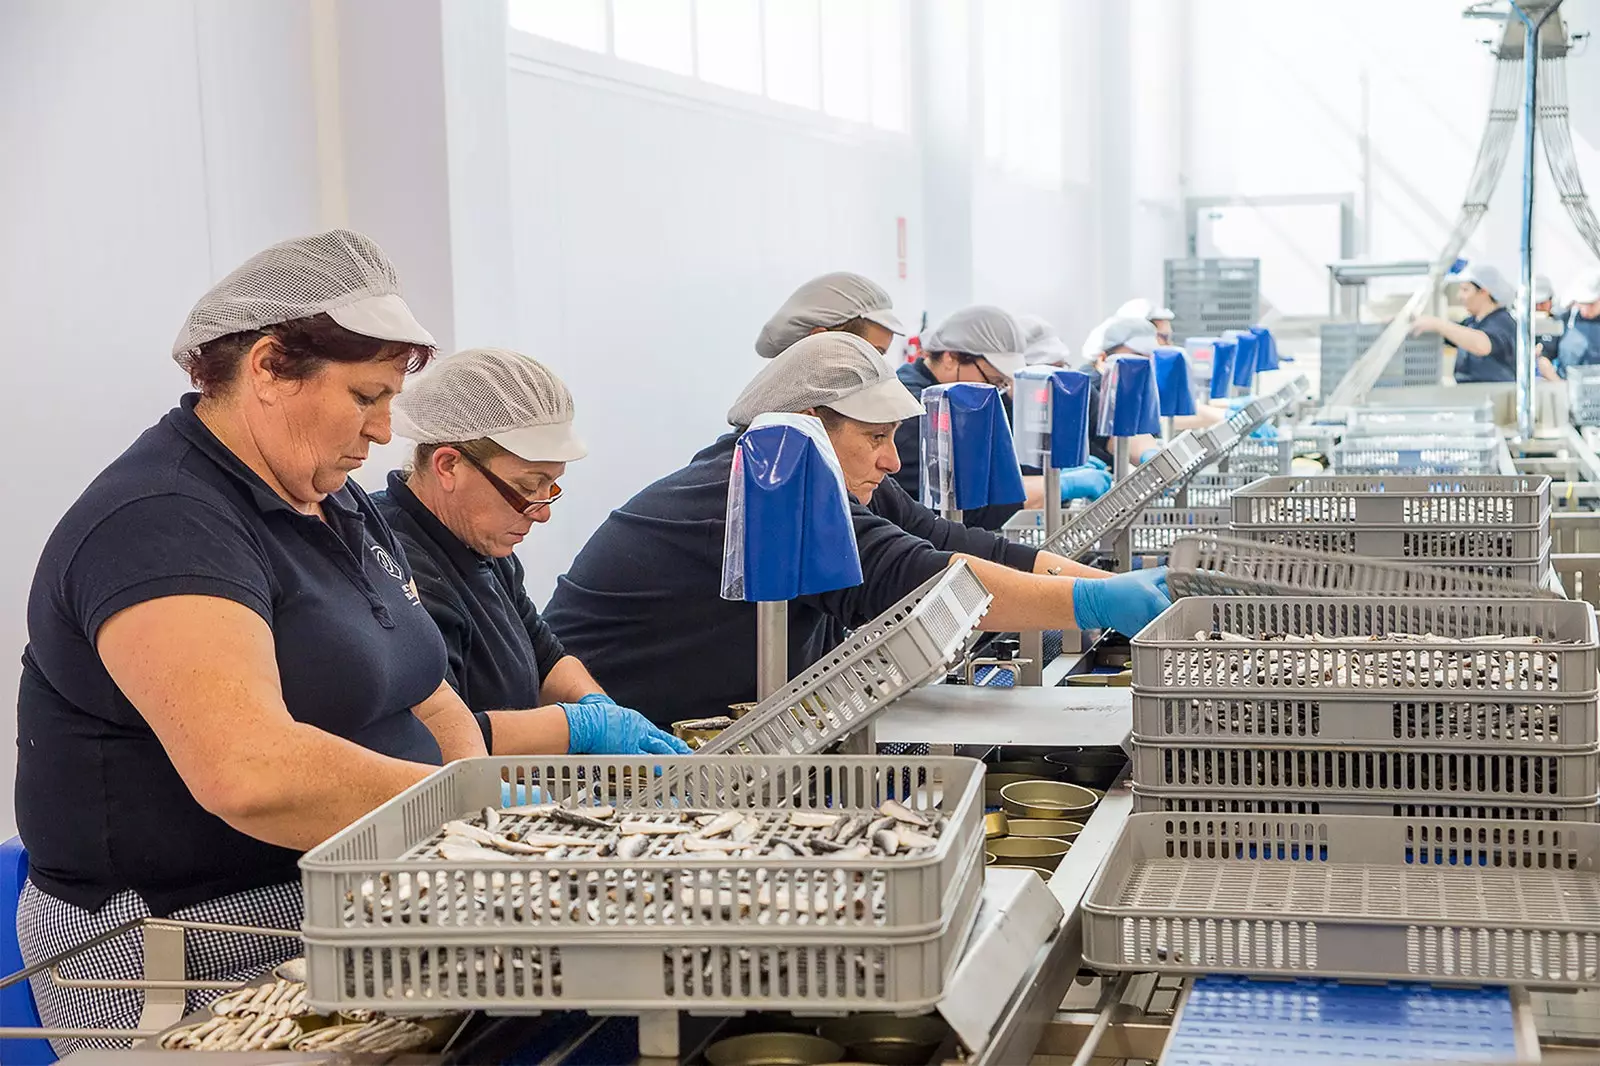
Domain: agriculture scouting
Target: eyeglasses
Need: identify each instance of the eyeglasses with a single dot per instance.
(519, 503)
(983, 367)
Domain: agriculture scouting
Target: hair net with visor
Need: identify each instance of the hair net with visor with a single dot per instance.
(1044, 346)
(491, 393)
(1487, 278)
(340, 273)
(1135, 334)
(983, 330)
(836, 370)
(826, 303)
(1139, 307)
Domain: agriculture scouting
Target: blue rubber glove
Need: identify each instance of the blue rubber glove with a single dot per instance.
(597, 726)
(1238, 403)
(1265, 431)
(1098, 463)
(1148, 454)
(1084, 483)
(1127, 602)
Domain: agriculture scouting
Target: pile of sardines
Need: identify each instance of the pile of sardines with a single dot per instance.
(547, 834)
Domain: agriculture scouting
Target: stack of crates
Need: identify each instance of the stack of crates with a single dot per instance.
(1373, 703)
(1207, 296)
(1418, 362)
(1420, 440)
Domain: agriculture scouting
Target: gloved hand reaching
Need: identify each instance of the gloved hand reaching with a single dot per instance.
(1098, 463)
(1149, 454)
(597, 726)
(1265, 431)
(1239, 403)
(1084, 483)
(1126, 602)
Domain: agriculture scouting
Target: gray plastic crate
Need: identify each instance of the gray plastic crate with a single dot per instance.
(1209, 489)
(1407, 775)
(1418, 362)
(1355, 898)
(1214, 565)
(1115, 510)
(454, 943)
(1263, 458)
(1358, 645)
(1436, 503)
(1419, 454)
(909, 644)
(1158, 527)
(1419, 418)
(1444, 721)
(1583, 394)
(1208, 296)
(1179, 801)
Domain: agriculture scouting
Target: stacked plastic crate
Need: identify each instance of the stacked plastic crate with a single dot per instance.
(1418, 440)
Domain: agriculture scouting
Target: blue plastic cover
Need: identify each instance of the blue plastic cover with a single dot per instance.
(1222, 355)
(1244, 360)
(789, 531)
(1050, 417)
(1128, 403)
(1266, 349)
(1069, 418)
(968, 458)
(1173, 393)
(17, 1008)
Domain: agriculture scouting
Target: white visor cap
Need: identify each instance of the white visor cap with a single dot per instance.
(492, 393)
(835, 370)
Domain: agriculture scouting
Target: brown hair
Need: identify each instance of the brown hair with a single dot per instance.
(483, 449)
(304, 346)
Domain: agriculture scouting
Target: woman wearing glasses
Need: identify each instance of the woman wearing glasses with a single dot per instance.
(494, 433)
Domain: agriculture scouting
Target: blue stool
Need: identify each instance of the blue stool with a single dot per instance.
(16, 1001)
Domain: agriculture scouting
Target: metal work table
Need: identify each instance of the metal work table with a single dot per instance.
(968, 714)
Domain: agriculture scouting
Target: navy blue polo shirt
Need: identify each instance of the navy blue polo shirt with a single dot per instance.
(1501, 362)
(642, 608)
(100, 806)
(498, 648)
(908, 442)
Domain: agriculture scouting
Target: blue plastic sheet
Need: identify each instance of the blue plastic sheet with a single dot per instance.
(1266, 349)
(789, 519)
(1174, 396)
(967, 448)
(1244, 360)
(1222, 356)
(1128, 405)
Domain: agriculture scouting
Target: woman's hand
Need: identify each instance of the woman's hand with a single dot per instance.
(596, 725)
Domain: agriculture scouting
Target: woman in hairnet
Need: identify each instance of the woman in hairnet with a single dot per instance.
(1160, 318)
(227, 659)
(1088, 482)
(642, 603)
(494, 435)
(838, 302)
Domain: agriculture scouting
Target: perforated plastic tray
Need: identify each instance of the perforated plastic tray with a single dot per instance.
(1215, 565)
(909, 644)
(1209, 488)
(1181, 801)
(1119, 507)
(1158, 527)
(1350, 772)
(1354, 646)
(605, 939)
(1411, 418)
(1263, 457)
(1368, 898)
(1420, 454)
(1583, 394)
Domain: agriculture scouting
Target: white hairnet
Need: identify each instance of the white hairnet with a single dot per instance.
(340, 273)
(1136, 334)
(1487, 278)
(826, 303)
(513, 400)
(981, 329)
(837, 370)
(1585, 288)
(1043, 345)
(1542, 290)
(1139, 307)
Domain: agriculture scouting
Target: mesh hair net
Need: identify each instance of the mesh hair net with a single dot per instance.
(821, 303)
(1043, 343)
(815, 371)
(977, 330)
(481, 392)
(295, 279)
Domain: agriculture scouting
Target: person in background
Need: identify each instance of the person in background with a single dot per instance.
(1486, 342)
(642, 602)
(1043, 345)
(1579, 340)
(840, 301)
(981, 344)
(1160, 318)
(1088, 482)
(1546, 328)
(493, 433)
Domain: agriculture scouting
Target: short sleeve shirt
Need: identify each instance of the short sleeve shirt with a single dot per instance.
(100, 806)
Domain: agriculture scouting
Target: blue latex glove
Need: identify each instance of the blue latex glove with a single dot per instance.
(1127, 602)
(1098, 463)
(1238, 403)
(1265, 431)
(597, 726)
(1084, 483)
(1148, 454)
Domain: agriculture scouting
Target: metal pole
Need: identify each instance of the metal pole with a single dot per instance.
(772, 647)
(1168, 430)
(1525, 335)
(1052, 500)
(1122, 463)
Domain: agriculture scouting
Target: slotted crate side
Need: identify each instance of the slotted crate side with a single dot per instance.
(1352, 772)
(1200, 801)
(1583, 394)
(1444, 502)
(1418, 362)
(1357, 898)
(1523, 548)
(1214, 565)
(1352, 644)
(907, 645)
(1207, 489)
(1442, 721)
(1417, 455)
(798, 969)
(1158, 527)
(1118, 507)
(1263, 458)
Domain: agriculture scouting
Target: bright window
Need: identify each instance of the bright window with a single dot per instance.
(846, 58)
(1022, 115)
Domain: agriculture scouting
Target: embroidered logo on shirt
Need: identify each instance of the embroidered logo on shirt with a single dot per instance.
(393, 569)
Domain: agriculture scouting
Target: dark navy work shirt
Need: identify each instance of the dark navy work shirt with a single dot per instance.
(499, 649)
(1501, 362)
(642, 608)
(908, 442)
(99, 804)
